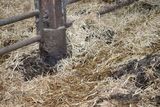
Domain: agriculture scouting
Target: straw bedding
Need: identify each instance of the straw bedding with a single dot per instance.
(114, 59)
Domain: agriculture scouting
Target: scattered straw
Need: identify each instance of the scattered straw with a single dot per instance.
(99, 45)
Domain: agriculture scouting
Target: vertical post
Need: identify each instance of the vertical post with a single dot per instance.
(38, 22)
(51, 24)
(52, 13)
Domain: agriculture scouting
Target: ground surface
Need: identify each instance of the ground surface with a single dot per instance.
(115, 59)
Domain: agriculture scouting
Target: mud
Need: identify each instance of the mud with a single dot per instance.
(33, 66)
(122, 99)
(139, 68)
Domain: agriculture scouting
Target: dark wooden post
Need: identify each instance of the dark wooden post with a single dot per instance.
(51, 26)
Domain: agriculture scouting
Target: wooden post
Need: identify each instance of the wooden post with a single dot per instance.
(51, 26)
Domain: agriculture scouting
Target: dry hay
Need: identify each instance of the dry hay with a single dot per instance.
(108, 67)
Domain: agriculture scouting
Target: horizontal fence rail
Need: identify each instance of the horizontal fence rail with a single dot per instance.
(18, 18)
(72, 1)
(107, 9)
(19, 45)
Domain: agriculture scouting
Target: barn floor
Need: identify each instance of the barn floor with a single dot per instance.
(115, 59)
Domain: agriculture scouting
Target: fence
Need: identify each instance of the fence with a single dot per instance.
(51, 25)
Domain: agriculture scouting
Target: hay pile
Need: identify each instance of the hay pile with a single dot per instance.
(115, 59)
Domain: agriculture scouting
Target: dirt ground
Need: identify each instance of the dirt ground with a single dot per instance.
(114, 59)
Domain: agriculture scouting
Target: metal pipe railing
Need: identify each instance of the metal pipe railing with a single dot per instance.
(19, 44)
(107, 9)
(18, 18)
(72, 1)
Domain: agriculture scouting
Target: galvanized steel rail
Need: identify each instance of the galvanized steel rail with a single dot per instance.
(19, 45)
(72, 1)
(107, 9)
(18, 18)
